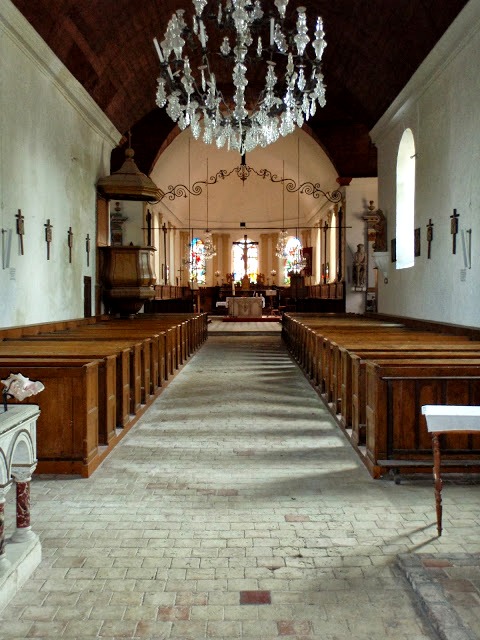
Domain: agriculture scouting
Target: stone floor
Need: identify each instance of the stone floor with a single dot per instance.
(235, 508)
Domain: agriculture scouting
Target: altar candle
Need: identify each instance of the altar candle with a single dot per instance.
(233, 287)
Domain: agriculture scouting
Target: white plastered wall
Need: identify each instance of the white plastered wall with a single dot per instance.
(54, 145)
(441, 106)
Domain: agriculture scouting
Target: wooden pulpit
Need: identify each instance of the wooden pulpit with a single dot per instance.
(127, 278)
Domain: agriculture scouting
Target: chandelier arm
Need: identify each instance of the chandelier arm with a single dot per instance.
(176, 191)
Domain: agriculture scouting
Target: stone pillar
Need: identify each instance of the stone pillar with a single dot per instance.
(22, 477)
(227, 254)
(4, 563)
(184, 254)
(263, 263)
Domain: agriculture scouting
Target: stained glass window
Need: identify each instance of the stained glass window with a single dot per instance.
(239, 260)
(293, 253)
(197, 261)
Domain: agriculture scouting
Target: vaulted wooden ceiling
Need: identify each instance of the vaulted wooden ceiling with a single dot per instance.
(374, 47)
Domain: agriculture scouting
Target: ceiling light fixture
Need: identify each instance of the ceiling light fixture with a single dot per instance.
(209, 249)
(281, 248)
(270, 45)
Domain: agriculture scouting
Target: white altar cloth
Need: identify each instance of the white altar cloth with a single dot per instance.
(250, 307)
(441, 417)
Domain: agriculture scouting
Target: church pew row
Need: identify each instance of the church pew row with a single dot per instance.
(67, 428)
(396, 432)
(325, 367)
(304, 335)
(143, 355)
(334, 359)
(128, 363)
(342, 349)
(133, 360)
(352, 386)
(316, 345)
(107, 387)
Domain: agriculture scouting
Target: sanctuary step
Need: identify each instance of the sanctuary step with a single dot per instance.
(248, 319)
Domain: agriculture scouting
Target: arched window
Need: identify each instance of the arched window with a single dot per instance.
(405, 226)
(245, 249)
(292, 250)
(197, 261)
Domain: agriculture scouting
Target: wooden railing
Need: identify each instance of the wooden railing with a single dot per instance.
(170, 292)
(330, 291)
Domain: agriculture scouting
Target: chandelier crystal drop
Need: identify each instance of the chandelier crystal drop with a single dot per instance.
(281, 248)
(191, 80)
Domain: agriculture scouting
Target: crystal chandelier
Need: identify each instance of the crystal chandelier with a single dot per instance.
(281, 248)
(299, 260)
(190, 84)
(209, 249)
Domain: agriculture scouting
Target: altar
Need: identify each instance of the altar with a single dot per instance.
(251, 307)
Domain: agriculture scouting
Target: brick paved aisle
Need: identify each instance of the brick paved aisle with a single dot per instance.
(234, 509)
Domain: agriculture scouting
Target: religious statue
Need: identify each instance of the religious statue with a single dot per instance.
(359, 263)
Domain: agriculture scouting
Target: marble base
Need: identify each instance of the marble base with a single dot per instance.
(22, 558)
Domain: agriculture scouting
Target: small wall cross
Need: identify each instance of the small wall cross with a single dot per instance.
(20, 228)
(48, 236)
(429, 237)
(454, 229)
(70, 244)
(87, 248)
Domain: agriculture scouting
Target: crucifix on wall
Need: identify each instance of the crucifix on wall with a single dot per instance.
(87, 248)
(454, 229)
(20, 228)
(70, 244)
(245, 244)
(48, 236)
(429, 237)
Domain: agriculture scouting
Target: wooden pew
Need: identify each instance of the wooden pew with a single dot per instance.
(67, 428)
(107, 386)
(342, 355)
(396, 432)
(330, 359)
(128, 365)
(334, 353)
(354, 390)
(131, 358)
(149, 354)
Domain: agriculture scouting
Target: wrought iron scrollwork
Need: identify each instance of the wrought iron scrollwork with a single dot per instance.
(243, 172)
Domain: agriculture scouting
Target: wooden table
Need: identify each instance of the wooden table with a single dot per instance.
(443, 419)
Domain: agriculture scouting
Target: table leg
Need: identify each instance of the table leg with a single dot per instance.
(438, 481)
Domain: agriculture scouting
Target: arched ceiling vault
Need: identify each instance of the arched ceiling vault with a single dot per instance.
(374, 47)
